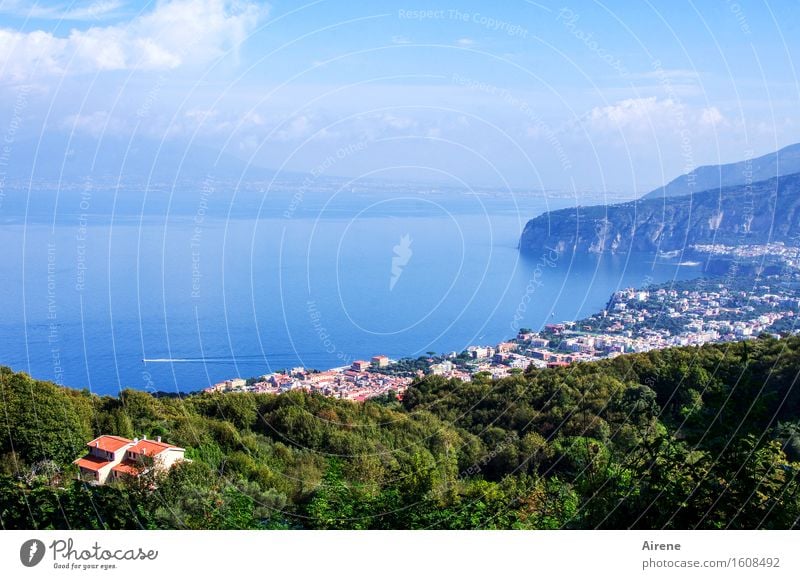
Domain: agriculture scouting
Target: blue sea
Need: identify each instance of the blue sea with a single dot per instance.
(175, 290)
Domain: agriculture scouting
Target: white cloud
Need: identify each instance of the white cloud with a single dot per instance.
(711, 117)
(395, 122)
(645, 115)
(94, 10)
(252, 118)
(174, 33)
(298, 127)
(248, 144)
(465, 42)
(639, 113)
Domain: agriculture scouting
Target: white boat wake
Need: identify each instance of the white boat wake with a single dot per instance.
(198, 360)
(169, 360)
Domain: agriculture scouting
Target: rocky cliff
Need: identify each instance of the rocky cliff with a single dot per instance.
(764, 211)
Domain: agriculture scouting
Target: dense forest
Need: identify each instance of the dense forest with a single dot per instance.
(704, 437)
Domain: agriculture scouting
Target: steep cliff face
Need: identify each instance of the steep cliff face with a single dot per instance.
(764, 211)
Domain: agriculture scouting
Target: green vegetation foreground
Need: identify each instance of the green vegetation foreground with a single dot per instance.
(682, 438)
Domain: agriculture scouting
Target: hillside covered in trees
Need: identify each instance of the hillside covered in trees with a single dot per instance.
(682, 438)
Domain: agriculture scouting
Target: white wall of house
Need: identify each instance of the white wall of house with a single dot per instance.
(169, 457)
(100, 476)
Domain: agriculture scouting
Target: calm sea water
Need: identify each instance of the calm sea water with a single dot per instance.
(176, 294)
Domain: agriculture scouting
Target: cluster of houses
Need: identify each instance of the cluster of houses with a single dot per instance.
(358, 381)
(786, 255)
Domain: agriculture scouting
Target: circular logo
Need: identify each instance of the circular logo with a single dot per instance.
(32, 552)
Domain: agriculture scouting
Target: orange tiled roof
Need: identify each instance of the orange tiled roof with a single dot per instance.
(91, 463)
(126, 467)
(109, 443)
(150, 447)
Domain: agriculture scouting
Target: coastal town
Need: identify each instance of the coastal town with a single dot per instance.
(777, 255)
(358, 381)
(689, 313)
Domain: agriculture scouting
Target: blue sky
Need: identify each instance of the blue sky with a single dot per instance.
(587, 95)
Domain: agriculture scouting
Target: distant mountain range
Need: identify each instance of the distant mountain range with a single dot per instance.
(767, 210)
(783, 162)
(76, 158)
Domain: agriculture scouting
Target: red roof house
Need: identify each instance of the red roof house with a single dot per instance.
(112, 457)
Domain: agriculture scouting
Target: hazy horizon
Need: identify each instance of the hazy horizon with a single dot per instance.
(521, 95)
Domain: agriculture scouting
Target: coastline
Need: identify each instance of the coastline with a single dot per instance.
(634, 320)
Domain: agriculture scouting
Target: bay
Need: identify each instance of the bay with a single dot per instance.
(108, 294)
